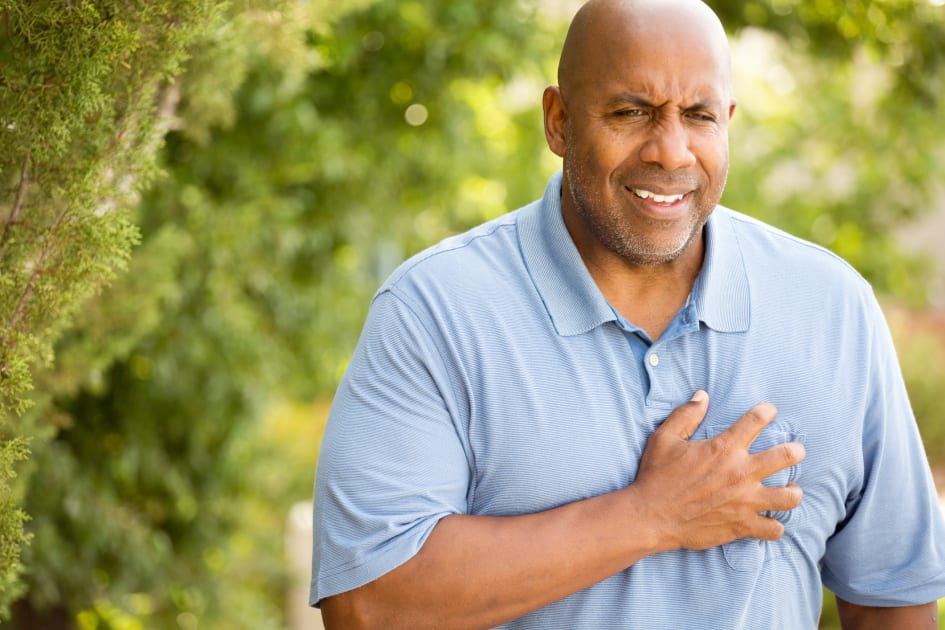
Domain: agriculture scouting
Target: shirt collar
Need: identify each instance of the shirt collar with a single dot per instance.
(722, 293)
(575, 303)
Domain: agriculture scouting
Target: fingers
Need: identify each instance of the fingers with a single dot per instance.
(774, 500)
(685, 419)
(779, 457)
(782, 499)
(744, 430)
(765, 528)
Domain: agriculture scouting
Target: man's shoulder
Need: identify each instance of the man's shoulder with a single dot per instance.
(766, 248)
(475, 255)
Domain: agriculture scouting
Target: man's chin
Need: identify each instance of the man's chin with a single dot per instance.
(656, 254)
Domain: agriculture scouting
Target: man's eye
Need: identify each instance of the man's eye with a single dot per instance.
(702, 117)
(629, 112)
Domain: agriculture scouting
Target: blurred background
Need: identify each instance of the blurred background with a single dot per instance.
(198, 199)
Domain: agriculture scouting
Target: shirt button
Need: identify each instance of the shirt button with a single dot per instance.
(654, 359)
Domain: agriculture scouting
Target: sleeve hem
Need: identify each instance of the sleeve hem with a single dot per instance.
(357, 574)
(910, 594)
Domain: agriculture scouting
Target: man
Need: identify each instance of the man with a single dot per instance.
(624, 406)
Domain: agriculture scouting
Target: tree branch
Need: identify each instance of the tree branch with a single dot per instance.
(35, 273)
(17, 205)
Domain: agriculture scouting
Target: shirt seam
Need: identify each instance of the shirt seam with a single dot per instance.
(781, 234)
(401, 274)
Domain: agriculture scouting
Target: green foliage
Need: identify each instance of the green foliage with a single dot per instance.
(81, 117)
(155, 495)
(923, 359)
(79, 88)
(832, 138)
(12, 519)
(920, 343)
(906, 35)
(311, 147)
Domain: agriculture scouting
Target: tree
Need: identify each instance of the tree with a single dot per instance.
(81, 116)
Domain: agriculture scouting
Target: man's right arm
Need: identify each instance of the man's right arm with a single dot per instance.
(481, 571)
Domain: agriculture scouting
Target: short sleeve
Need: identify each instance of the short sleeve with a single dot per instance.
(392, 461)
(890, 549)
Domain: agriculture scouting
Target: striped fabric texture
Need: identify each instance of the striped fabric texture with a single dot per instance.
(492, 377)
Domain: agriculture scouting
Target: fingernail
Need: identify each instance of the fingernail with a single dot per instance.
(699, 396)
(767, 408)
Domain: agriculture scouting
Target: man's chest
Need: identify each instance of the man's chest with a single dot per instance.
(552, 427)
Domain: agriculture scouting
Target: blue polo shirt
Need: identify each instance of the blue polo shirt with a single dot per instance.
(493, 377)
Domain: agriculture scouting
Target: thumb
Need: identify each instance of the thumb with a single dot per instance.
(686, 418)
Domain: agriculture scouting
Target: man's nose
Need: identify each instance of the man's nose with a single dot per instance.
(668, 146)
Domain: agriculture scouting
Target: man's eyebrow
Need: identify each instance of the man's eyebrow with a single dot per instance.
(631, 98)
(705, 104)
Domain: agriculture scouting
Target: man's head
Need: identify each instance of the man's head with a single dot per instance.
(640, 117)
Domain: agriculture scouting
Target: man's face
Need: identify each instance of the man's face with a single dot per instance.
(645, 143)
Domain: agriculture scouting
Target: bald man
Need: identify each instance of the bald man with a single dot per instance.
(625, 406)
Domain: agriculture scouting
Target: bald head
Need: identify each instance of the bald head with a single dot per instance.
(602, 29)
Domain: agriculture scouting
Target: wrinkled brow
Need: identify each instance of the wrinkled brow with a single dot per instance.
(632, 98)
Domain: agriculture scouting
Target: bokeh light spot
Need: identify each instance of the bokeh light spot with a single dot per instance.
(416, 115)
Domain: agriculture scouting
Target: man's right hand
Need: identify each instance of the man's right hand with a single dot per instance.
(706, 493)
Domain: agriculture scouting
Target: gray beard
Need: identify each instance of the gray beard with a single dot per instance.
(607, 227)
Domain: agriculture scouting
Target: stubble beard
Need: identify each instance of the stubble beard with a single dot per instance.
(607, 222)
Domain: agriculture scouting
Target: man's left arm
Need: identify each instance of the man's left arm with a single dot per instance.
(856, 617)
(889, 550)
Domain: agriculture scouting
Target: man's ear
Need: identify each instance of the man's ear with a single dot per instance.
(555, 117)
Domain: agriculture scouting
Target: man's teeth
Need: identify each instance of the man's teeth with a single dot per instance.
(646, 194)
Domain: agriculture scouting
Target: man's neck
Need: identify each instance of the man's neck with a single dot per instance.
(648, 295)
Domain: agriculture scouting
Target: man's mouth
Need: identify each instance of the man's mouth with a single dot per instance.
(646, 194)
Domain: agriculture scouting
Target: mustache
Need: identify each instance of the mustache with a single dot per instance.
(655, 176)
